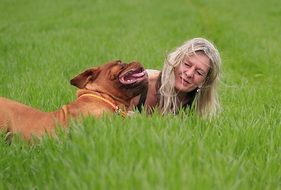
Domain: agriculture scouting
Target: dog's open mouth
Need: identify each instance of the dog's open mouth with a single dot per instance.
(132, 76)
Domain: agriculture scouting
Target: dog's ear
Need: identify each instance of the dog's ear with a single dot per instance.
(83, 78)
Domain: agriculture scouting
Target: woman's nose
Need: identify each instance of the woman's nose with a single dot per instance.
(189, 72)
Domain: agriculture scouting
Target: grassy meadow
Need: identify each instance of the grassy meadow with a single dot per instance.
(43, 44)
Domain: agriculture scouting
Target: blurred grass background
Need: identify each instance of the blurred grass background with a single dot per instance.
(43, 44)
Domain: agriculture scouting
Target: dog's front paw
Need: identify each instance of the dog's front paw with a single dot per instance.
(130, 113)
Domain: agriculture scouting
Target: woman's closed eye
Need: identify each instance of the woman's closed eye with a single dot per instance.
(187, 64)
(200, 72)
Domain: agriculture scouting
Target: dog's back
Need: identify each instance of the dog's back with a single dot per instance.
(17, 117)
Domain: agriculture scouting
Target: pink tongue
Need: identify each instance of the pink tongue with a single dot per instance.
(134, 76)
(138, 74)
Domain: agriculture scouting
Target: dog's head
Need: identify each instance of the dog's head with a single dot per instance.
(117, 79)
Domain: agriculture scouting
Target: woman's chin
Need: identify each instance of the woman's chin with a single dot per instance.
(183, 88)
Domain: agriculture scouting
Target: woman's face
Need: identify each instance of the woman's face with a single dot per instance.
(192, 72)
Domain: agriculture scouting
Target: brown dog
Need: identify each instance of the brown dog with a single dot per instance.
(108, 88)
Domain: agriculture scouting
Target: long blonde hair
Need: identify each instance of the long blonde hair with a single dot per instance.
(206, 101)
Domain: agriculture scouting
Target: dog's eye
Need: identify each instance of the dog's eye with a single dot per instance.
(113, 77)
(122, 65)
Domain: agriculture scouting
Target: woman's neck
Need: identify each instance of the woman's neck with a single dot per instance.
(185, 97)
(182, 96)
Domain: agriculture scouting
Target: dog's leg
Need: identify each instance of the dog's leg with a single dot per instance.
(4, 127)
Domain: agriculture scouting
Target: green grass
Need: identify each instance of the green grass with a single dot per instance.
(43, 44)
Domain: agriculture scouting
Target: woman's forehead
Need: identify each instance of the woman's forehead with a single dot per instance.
(199, 58)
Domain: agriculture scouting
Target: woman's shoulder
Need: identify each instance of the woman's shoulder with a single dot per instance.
(148, 98)
(152, 73)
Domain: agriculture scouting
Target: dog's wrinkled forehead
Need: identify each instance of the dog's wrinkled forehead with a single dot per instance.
(114, 67)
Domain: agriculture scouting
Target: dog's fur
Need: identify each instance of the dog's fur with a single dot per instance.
(115, 81)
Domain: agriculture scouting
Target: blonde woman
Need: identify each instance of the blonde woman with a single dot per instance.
(189, 78)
